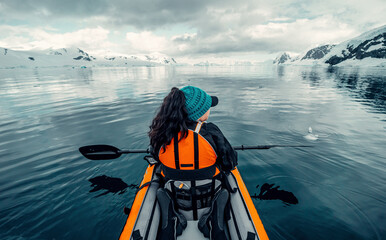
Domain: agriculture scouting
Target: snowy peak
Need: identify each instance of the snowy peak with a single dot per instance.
(371, 44)
(282, 58)
(76, 54)
(44, 58)
(318, 52)
(370, 47)
(84, 56)
(160, 58)
(57, 52)
(76, 57)
(148, 60)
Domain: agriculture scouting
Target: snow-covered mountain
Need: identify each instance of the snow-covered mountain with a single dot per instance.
(318, 52)
(312, 56)
(368, 48)
(159, 58)
(282, 58)
(76, 57)
(371, 44)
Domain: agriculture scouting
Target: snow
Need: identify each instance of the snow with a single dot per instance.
(376, 47)
(307, 62)
(282, 58)
(366, 62)
(342, 50)
(338, 49)
(368, 35)
(76, 57)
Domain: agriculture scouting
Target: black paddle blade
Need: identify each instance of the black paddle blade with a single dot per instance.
(100, 152)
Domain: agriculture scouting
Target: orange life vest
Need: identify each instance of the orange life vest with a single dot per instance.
(190, 153)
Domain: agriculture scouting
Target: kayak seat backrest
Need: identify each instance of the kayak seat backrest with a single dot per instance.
(188, 197)
(173, 223)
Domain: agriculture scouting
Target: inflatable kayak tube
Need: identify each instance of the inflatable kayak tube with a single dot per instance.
(144, 218)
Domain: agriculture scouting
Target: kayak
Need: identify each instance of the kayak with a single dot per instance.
(145, 215)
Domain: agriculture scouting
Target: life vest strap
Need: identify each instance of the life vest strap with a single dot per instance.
(194, 199)
(198, 127)
(196, 151)
(176, 153)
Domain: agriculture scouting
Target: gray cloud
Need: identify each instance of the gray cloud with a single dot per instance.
(142, 14)
(20, 9)
(219, 26)
(153, 14)
(239, 45)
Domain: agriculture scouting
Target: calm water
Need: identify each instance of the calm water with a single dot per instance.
(335, 190)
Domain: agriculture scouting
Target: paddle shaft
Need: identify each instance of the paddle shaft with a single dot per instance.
(242, 147)
(134, 151)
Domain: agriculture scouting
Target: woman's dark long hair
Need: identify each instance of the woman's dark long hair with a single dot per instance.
(171, 119)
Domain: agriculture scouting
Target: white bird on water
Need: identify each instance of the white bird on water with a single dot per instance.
(310, 136)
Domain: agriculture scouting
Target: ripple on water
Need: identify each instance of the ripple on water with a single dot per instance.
(47, 114)
(330, 206)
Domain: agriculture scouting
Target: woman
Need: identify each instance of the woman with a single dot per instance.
(193, 155)
(184, 110)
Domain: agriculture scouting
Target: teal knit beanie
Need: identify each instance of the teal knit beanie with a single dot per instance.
(197, 102)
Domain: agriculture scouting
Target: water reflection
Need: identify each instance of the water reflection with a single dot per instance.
(313, 76)
(269, 192)
(367, 88)
(363, 87)
(110, 184)
(85, 74)
(54, 111)
(280, 71)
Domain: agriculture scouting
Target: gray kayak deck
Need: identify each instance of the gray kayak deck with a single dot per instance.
(191, 232)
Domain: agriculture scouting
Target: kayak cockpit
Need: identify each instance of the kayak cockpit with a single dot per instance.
(145, 216)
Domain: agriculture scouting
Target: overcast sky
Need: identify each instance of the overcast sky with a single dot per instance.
(253, 30)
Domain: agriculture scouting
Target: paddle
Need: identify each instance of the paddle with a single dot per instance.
(105, 152)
